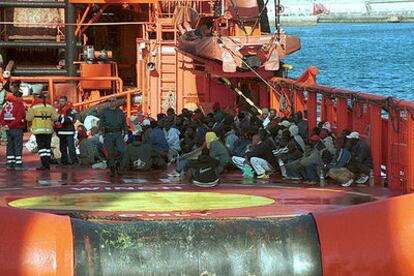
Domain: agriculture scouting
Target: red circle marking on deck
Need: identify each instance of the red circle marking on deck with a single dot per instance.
(290, 198)
(287, 200)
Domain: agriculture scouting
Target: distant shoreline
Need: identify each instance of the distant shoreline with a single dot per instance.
(365, 19)
(343, 19)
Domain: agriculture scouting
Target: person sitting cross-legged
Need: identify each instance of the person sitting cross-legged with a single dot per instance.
(203, 172)
(259, 156)
(338, 170)
(141, 157)
(361, 161)
(308, 167)
(217, 150)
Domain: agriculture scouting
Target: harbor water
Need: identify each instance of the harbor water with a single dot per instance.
(372, 58)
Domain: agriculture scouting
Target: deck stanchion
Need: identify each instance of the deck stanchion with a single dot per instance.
(312, 108)
(298, 101)
(51, 90)
(274, 99)
(327, 110)
(128, 104)
(342, 119)
(393, 155)
(323, 109)
(410, 152)
(376, 140)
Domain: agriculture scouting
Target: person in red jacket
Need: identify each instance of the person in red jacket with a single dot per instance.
(12, 117)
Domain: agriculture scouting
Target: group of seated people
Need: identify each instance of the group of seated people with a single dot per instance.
(204, 146)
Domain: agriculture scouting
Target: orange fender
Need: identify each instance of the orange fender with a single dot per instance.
(369, 239)
(35, 243)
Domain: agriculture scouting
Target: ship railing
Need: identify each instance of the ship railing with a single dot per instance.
(127, 94)
(52, 80)
(385, 123)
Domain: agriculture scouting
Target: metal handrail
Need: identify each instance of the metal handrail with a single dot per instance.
(52, 79)
(127, 93)
(334, 91)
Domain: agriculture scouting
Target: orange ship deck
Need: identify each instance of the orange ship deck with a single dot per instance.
(90, 193)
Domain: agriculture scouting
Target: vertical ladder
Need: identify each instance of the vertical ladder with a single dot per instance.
(167, 63)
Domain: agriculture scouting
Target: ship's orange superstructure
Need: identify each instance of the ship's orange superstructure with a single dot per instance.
(150, 46)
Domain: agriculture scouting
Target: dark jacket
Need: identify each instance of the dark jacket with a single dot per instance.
(218, 115)
(187, 144)
(157, 140)
(65, 122)
(295, 151)
(113, 120)
(199, 136)
(139, 156)
(218, 151)
(303, 130)
(240, 147)
(264, 150)
(204, 169)
(361, 153)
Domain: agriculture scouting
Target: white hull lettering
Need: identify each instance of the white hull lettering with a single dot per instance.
(151, 215)
(127, 188)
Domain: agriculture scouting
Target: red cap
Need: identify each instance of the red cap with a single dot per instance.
(315, 138)
(324, 133)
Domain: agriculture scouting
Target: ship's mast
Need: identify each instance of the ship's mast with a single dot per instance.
(277, 18)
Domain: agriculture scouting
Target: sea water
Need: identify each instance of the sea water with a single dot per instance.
(372, 58)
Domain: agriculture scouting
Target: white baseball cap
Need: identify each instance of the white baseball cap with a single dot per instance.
(327, 126)
(285, 123)
(353, 135)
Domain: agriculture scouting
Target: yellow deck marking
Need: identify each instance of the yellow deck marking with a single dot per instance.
(142, 201)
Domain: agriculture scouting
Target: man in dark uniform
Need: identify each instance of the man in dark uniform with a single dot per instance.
(66, 131)
(115, 131)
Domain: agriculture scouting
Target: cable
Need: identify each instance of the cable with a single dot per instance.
(258, 17)
(254, 71)
(236, 9)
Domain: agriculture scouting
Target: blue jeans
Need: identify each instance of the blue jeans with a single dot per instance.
(181, 164)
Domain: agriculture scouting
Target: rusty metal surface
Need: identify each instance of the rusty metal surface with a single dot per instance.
(231, 247)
